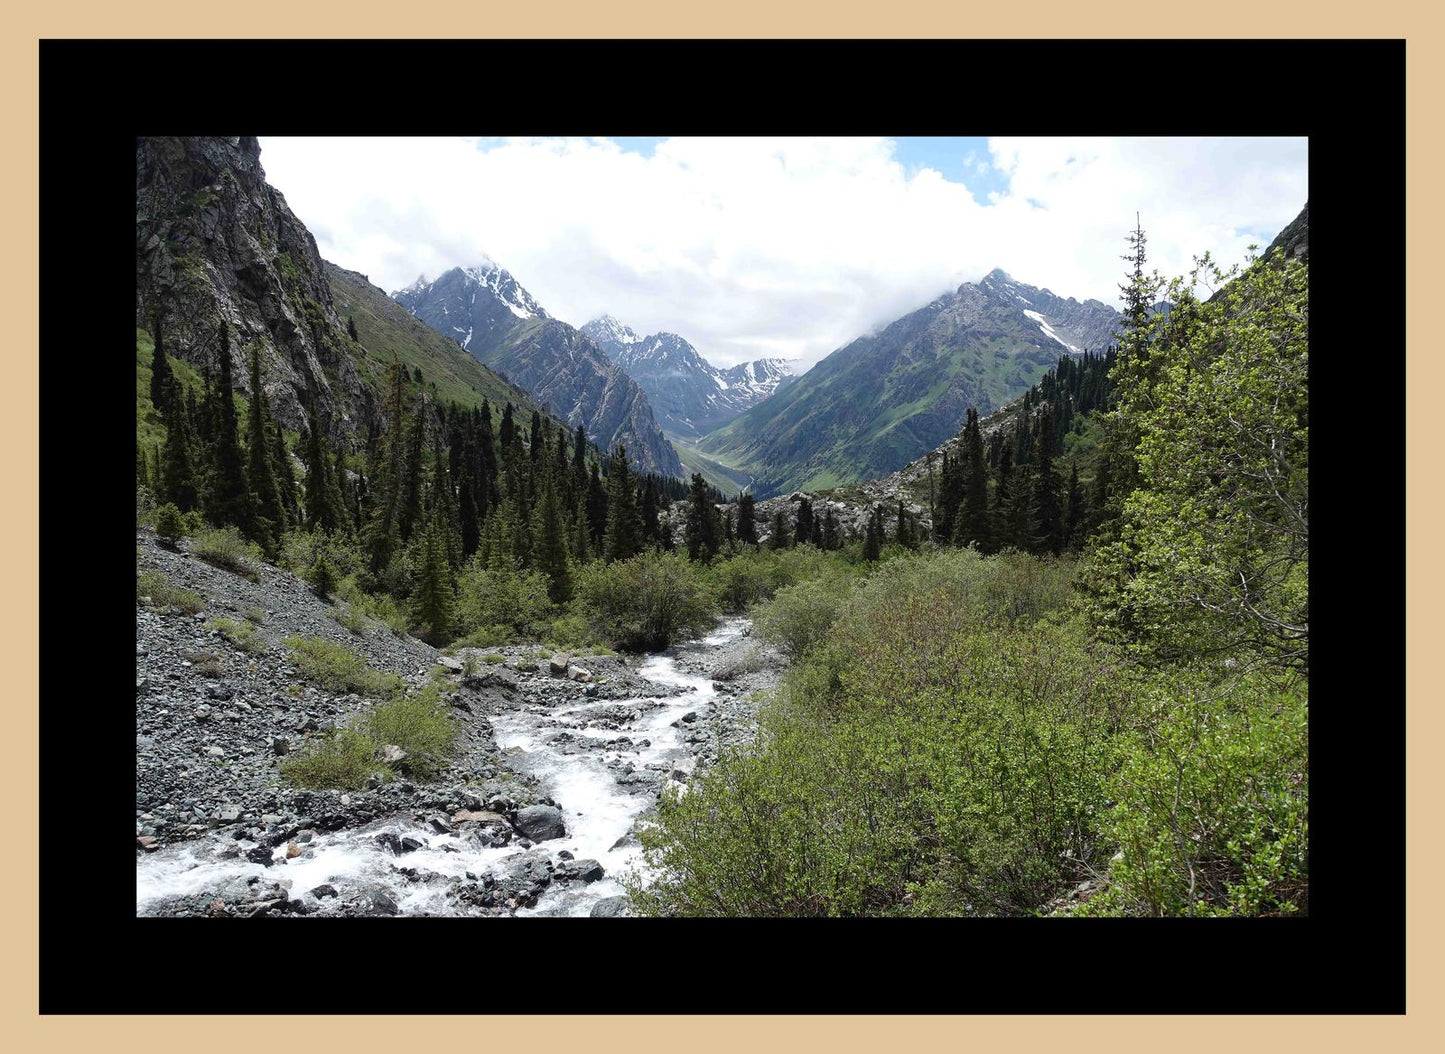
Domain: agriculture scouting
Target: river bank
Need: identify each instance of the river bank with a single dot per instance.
(555, 764)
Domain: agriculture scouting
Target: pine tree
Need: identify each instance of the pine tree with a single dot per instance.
(1020, 513)
(779, 537)
(596, 508)
(651, 530)
(581, 533)
(701, 529)
(351, 329)
(381, 535)
(747, 519)
(1076, 514)
(285, 476)
(509, 430)
(434, 598)
(832, 537)
(163, 381)
(1050, 527)
(973, 520)
(230, 495)
(873, 535)
(176, 481)
(804, 529)
(903, 531)
(623, 536)
(549, 543)
(269, 512)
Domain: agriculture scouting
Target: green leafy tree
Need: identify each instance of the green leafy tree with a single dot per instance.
(1213, 550)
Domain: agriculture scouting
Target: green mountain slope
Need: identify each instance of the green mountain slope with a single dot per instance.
(887, 398)
(384, 327)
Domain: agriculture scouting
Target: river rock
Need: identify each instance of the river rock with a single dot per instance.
(391, 754)
(323, 891)
(378, 903)
(557, 666)
(583, 870)
(540, 822)
(609, 908)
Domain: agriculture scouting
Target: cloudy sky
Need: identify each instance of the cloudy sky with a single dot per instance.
(785, 248)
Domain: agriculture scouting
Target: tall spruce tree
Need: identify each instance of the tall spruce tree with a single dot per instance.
(974, 520)
(1076, 512)
(747, 519)
(163, 381)
(873, 535)
(804, 528)
(433, 599)
(701, 529)
(832, 538)
(549, 542)
(177, 481)
(230, 494)
(1050, 527)
(779, 537)
(622, 539)
(269, 512)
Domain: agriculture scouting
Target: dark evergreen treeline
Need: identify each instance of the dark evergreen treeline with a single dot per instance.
(1010, 491)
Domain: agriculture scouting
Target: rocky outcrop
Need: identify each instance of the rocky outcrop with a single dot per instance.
(215, 242)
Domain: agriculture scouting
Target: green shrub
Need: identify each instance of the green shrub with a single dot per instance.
(799, 616)
(919, 760)
(351, 618)
(337, 668)
(571, 632)
(516, 600)
(648, 602)
(492, 657)
(170, 526)
(486, 637)
(420, 724)
(254, 614)
(240, 634)
(227, 548)
(1212, 813)
(322, 576)
(339, 760)
(165, 594)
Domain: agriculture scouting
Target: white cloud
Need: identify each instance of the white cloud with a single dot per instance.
(782, 247)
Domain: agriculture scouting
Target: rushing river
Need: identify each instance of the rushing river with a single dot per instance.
(598, 811)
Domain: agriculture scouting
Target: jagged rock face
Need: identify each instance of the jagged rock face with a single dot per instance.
(488, 313)
(689, 395)
(872, 406)
(567, 371)
(215, 242)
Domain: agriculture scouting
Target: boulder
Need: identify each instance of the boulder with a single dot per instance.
(391, 754)
(577, 673)
(557, 666)
(323, 891)
(540, 822)
(581, 870)
(453, 665)
(609, 908)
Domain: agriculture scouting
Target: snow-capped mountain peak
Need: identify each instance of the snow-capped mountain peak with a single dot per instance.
(610, 335)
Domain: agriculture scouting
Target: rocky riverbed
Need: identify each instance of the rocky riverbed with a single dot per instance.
(557, 758)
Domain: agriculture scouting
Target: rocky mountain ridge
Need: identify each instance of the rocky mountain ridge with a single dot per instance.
(877, 403)
(689, 394)
(488, 313)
